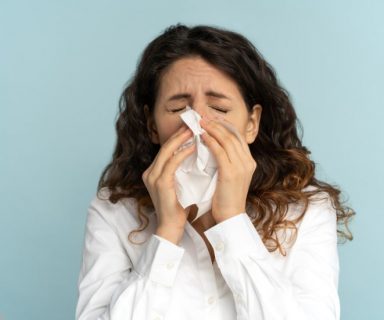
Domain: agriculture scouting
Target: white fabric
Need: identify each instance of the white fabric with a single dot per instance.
(196, 177)
(157, 280)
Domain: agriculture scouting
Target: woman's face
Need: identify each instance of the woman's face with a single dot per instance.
(194, 82)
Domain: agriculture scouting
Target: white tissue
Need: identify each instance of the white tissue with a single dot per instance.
(196, 177)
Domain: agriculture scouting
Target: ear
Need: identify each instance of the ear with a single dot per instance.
(253, 123)
(151, 126)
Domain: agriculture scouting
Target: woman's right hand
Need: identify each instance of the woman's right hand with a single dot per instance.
(159, 178)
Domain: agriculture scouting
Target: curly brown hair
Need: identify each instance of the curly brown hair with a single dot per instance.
(284, 168)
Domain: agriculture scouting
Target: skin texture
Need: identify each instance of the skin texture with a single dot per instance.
(196, 78)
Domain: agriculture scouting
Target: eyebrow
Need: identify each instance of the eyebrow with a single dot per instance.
(209, 93)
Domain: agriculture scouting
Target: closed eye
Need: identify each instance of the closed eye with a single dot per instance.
(219, 109)
(177, 110)
(213, 107)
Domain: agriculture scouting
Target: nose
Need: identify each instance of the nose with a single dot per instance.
(201, 110)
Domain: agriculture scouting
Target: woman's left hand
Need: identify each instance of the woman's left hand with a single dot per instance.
(235, 166)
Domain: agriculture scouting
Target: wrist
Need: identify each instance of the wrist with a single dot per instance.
(173, 235)
(222, 217)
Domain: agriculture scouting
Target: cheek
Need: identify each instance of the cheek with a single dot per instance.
(167, 129)
(238, 124)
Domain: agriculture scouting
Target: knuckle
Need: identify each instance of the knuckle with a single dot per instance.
(144, 175)
(249, 167)
(159, 183)
(150, 180)
(254, 165)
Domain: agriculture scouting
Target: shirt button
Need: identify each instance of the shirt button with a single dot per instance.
(170, 265)
(211, 300)
(219, 246)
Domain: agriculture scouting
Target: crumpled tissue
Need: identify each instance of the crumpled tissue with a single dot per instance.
(196, 176)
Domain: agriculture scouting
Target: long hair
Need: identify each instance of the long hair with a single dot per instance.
(284, 168)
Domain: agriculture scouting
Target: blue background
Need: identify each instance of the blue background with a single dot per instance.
(63, 65)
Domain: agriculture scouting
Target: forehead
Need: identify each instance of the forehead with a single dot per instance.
(194, 73)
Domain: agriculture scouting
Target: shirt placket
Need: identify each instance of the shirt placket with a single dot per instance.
(206, 273)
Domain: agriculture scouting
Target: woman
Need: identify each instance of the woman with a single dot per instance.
(267, 249)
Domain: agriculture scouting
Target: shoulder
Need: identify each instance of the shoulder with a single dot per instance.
(317, 223)
(320, 215)
(102, 210)
(320, 203)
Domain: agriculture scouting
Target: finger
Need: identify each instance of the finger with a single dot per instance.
(168, 149)
(217, 150)
(173, 163)
(232, 129)
(147, 175)
(227, 139)
(244, 145)
(182, 129)
(226, 165)
(246, 156)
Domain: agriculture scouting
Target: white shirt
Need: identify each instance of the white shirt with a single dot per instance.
(161, 280)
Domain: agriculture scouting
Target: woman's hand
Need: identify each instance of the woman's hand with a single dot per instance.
(235, 168)
(159, 178)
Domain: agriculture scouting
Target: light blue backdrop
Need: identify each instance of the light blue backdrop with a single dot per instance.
(63, 66)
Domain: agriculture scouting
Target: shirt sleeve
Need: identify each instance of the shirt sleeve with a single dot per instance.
(306, 289)
(110, 287)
